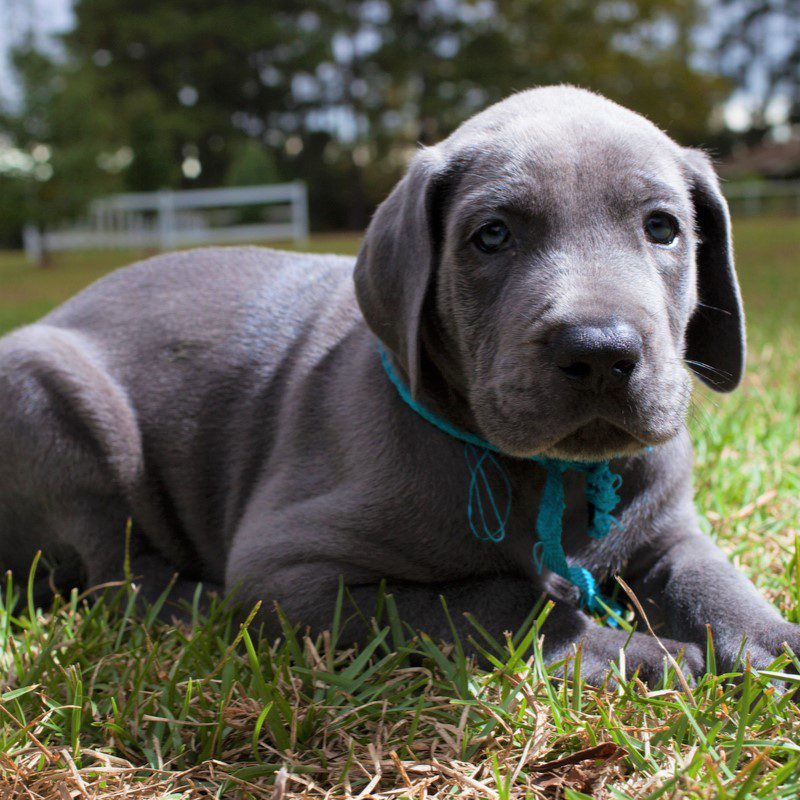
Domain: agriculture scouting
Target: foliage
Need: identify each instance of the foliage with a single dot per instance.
(65, 141)
(759, 49)
(337, 92)
(252, 165)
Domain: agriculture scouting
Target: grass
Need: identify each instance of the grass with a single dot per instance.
(97, 701)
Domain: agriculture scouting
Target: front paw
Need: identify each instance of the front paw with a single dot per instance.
(643, 656)
(648, 657)
(760, 649)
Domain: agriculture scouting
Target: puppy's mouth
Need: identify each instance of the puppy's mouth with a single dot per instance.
(597, 440)
(580, 431)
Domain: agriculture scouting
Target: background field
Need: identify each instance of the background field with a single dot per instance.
(99, 701)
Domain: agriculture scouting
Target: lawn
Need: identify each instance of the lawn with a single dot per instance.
(99, 702)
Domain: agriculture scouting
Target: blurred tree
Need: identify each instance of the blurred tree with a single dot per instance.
(641, 54)
(340, 92)
(252, 164)
(59, 137)
(759, 49)
(409, 71)
(192, 78)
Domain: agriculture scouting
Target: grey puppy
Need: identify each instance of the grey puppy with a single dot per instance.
(540, 278)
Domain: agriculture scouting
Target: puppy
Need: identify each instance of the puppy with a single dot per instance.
(275, 422)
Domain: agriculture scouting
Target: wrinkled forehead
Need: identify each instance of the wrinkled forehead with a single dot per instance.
(569, 169)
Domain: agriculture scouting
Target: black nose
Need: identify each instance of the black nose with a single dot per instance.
(597, 356)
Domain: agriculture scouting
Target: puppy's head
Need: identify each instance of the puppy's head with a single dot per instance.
(552, 268)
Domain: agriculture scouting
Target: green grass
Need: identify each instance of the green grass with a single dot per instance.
(96, 701)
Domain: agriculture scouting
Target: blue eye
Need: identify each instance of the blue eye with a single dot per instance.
(492, 237)
(661, 228)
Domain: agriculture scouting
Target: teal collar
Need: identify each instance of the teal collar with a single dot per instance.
(488, 518)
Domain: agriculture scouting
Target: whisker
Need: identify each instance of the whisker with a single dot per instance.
(715, 308)
(707, 367)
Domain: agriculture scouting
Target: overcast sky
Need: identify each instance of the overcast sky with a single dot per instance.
(18, 16)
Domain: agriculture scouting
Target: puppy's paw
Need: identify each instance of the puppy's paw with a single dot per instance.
(650, 659)
(644, 656)
(761, 650)
(788, 635)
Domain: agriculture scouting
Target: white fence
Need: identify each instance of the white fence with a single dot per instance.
(761, 197)
(167, 219)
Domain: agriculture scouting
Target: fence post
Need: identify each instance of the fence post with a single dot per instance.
(166, 220)
(32, 242)
(300, 213)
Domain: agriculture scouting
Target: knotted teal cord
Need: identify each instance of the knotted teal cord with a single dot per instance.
(488, 521)
(476, 458)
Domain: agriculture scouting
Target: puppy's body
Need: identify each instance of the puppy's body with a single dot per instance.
(200, 387)
(232, 403)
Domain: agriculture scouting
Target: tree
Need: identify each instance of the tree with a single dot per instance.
(59, 135)
(759, 49)
(341, 92)
(252, 164)
(640, 54)
(191, 77)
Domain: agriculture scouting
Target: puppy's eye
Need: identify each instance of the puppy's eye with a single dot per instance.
(661, 228)
(492, 237)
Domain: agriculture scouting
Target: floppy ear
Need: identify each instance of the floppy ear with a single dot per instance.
(395, 266)
(715, 337)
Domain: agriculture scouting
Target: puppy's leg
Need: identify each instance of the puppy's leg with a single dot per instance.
(503, 603)
(307, 594)
(71, 452)
(72, 458)
(688, 583)
(566, 627)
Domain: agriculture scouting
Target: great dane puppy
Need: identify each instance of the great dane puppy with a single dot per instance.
(541, 278)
